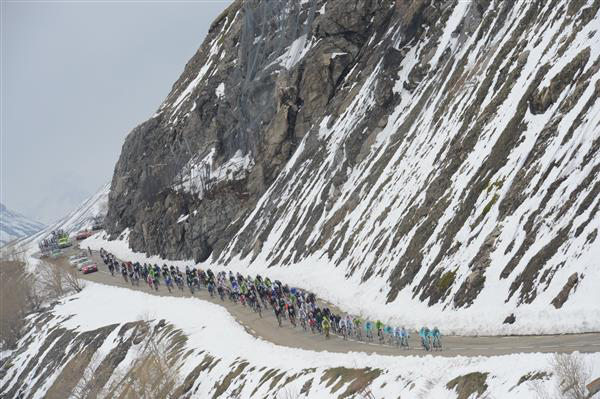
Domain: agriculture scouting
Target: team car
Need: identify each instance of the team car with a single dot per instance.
(75, 258)
(64, 242)
(83, 234)
(87, 262)
(89, 268)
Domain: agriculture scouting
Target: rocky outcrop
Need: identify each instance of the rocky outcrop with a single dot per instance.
(468, 385)
(276, 81)
(563, 295)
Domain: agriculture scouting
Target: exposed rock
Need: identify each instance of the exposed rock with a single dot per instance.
(415, 76)
(356, 380)
(469, 384)
(540, 375)
(563, 295)
(542, 100)
(593, 387)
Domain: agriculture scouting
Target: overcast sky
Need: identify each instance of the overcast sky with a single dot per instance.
(76, 78)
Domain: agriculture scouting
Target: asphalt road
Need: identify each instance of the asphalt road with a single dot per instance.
(266, 328)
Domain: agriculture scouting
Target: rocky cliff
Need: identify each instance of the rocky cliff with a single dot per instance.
(439, 152)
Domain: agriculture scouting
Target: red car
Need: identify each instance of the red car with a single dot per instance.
(89, 268)
(82, 235)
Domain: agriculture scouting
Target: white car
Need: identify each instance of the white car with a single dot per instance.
(77, 263)
(74, 258)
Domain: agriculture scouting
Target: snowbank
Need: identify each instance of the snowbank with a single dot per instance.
(211, 329)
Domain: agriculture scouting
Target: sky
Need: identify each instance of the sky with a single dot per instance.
(76, 78)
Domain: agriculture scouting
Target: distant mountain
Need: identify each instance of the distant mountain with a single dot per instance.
(14, 225)
(82, 218)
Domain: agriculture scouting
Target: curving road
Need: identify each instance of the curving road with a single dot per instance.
(267, 329)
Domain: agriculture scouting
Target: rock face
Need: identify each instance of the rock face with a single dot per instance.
(444, 152)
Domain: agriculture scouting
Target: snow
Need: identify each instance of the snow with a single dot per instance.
(220, 90)
(230, 168)
(295, 52)
(190, 87)
(407, 376)
(333, 55)
(202, 171)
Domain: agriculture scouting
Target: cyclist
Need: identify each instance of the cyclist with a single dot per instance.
(404, 337)
(389, 330)
(156, 273)
(436, 338)
(292, 314)
(124, 272)
(358, 327)
(256, 304)
(169, 281)
(130, 274)
(369, 328)
(349, 325)
(277, 309)
(424, 334)
(379, 327)
(303, 317)
(211, 289)
(326, 326)
(111, 268)
(343, 328)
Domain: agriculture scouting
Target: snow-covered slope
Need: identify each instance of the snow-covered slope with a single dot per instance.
(84, 216)
(472, 185)
(14, 225)
(72, 341)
